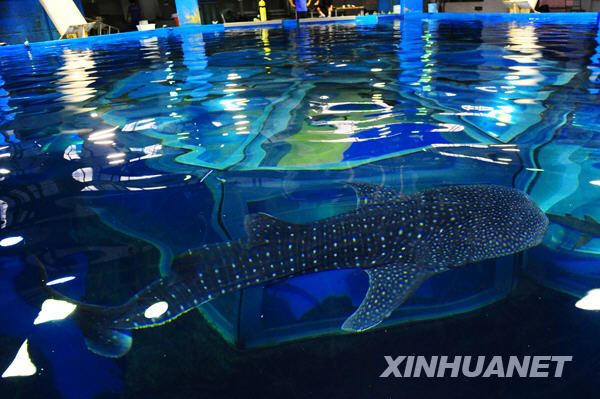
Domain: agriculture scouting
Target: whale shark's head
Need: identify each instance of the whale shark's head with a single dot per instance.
(487, 222)
(528, 221)
(504, 221)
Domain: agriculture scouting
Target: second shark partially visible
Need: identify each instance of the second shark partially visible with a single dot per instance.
(399, 240)
(587, 227)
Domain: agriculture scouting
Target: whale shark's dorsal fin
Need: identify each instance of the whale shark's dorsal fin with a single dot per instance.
(389, 286)
(589, 219)
(369, 194)
(261, 228)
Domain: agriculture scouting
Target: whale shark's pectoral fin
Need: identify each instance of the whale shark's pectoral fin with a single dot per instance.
(389, 286)
(108, 342)
(369, 194)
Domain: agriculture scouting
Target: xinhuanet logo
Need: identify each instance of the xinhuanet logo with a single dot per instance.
(475, 366)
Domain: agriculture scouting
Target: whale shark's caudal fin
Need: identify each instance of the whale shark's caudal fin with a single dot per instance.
(91, 319)
(389, 286)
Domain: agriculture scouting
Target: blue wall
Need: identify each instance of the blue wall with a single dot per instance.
(415, 6)
(386, 5)
(22, 20)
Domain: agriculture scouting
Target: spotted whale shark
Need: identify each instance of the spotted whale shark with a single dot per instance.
(398, 239)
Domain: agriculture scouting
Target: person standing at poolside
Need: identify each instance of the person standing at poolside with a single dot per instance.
(322, 6)
(134, 13)
(301, 8)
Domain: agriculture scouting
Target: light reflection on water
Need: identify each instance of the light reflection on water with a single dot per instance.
(317, 97)
(268, 77)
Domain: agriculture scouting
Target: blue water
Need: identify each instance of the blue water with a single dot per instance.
(118, 153)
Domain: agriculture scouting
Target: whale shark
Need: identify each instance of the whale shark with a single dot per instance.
(398, 239)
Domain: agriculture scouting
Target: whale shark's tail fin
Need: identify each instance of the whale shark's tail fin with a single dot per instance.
(92, 320)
